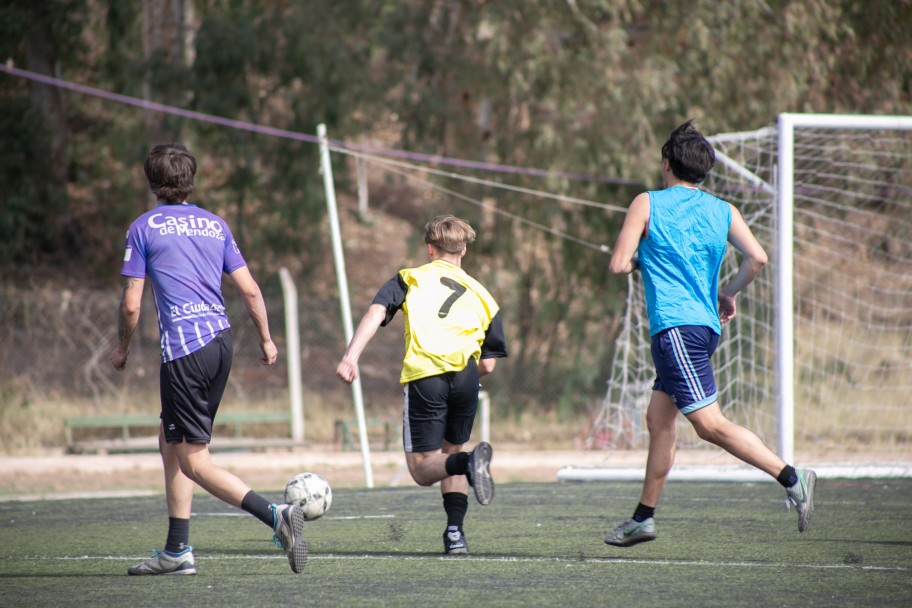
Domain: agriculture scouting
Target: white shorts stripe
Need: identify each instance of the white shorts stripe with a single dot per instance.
(685, 365)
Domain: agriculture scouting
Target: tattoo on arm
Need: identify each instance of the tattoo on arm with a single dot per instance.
(124, 330)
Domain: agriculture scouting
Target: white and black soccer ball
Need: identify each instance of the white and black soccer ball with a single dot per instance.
(310, 492)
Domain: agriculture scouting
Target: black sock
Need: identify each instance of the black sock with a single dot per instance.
(178, 535)
(643, 512)
(259, 507)
(457, 464)
(787, 477)
(455, 504)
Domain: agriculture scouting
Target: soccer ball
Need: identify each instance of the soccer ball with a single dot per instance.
(310, 492)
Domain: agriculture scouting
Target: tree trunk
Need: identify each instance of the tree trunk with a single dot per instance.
(165, 40)
(49, 100)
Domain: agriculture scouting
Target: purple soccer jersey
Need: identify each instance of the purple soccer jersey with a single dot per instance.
(183, 250)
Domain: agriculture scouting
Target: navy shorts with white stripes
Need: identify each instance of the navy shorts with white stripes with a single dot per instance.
(683, 371)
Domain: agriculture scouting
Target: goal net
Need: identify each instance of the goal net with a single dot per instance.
(819, 357)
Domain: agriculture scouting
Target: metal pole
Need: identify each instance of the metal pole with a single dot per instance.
(293, 337)
(339, 257)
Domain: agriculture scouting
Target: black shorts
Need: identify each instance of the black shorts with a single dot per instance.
(192, 388)
(440, 408)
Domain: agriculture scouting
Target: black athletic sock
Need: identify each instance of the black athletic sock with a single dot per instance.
(178, 535)
(455, 504)
(457, 464)
(787, 477)
(259, 507)
(643, 512)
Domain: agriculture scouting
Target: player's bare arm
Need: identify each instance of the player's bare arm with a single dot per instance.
(486, 366)
(347, 370)
(256, 308)
(130, 304)
(753, 260)
(636, 223)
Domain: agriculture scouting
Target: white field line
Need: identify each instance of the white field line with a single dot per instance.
(325, 517)
(733, 473)
(500, 559)
(81, 495)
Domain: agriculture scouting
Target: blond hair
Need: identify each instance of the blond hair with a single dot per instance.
(448, 233)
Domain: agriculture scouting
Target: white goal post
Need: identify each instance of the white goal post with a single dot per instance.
(821, 349)
(785, 330)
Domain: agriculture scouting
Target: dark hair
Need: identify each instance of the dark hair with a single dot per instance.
(690, 156)
(170, 169)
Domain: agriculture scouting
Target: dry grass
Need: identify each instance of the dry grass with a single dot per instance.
(35, 425)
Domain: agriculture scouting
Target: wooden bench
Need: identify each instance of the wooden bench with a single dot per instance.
(128, 426)
(346, 432)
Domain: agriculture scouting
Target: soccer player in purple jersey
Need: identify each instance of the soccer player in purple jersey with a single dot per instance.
(183, 250)
(677, 237)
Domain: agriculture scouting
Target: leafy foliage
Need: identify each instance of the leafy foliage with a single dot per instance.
(583, 87)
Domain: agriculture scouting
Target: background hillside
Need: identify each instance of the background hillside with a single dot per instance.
(556, 99)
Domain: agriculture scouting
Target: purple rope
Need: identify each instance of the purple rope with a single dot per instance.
(283, 133)
(443, 160)
(158, 107)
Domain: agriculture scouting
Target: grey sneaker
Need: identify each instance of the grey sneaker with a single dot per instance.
(632, 532)
(802, 496)
(454, 543)
(163, 562)
(289, 522)
(479, 473)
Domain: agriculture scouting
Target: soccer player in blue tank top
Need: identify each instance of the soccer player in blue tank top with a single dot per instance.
(184, 250)
(677, 238)
(453, 335)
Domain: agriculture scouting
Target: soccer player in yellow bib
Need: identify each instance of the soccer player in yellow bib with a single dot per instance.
(453, 335)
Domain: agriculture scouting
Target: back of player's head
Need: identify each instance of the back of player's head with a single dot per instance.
(690, 156)
(448, 233)
(170, 169)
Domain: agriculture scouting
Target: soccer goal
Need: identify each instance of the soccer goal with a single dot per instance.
(819, 358)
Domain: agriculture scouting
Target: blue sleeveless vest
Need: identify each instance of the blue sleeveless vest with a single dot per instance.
(681, 256)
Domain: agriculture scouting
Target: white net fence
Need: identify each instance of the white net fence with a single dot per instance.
(852, 305)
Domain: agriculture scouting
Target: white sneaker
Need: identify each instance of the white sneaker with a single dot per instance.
(479, 472)
(802, 496)
(632, 532)
(163, 562)
(289, 522)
